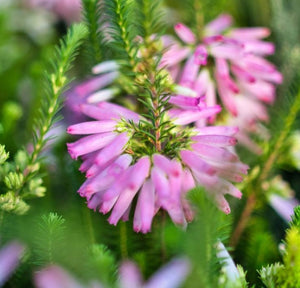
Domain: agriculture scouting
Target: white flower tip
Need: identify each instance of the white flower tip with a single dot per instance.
(105, 67)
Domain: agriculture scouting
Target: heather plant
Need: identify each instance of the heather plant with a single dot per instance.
(178, 119)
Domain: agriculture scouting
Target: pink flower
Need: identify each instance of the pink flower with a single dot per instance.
(69, 10)
(171, 275)
(9, 259)
(93, 90)
(116, 176)
(55, 276)
(239, 72)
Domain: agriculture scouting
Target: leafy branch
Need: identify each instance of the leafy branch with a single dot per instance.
(55, 84)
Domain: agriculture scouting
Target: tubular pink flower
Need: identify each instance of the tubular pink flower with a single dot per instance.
(218, 25)
(115, 178)
(172, 275)
(92, 127)
(79, 94)
(145, 208)
(130, 275)
(140, 172)
(89, 144)
(240, 70)
(185, 34)
(183, 117)
(215, 140)
(106, 178)
(250, 33)
(109, 152)
(9, 259)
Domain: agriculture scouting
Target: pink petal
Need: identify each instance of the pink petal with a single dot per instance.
(218, 25)
(139, 173)
(185, 33)
(89, 144)
(215, 140)
(195, 162)
(129, 276)
(144, 211)
(92, 127)
(250, 33)
(9, 259)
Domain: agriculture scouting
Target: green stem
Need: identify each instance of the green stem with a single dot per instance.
(123, 240)
(88, 221)
(265, 171)
(124, 35)
(162, 237)
(199, 19)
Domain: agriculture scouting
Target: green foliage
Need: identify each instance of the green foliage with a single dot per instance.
(10, 114)
(148, 19)
(288, 276)
(9, 202)
(268, 274)
(21, 177)
(261, 250)
(211, 225)
(3, 154)
(199, 12)
(121, 29)
(55, 85)
(94, 22)
(14, 181)
(296, 218)
(101, 264)
(49, 243)
(240, 282)
(285, 22)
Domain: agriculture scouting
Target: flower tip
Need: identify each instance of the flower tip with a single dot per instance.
(239, 195)
(226, 210)
(71, 151)
(178, 26)
(89, 174)
(233, 141)
(69, 130)
(112, 221)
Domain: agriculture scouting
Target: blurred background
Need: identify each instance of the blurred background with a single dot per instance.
(29, 30)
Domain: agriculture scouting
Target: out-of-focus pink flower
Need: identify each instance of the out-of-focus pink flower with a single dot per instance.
(56, 277)
(92, 91)
(172, 275)
(284, 206)
(9, 260)
(228, 61)
(69, 10)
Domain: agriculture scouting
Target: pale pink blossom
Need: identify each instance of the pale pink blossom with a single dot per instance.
(171, 275)
(237, 70)
(69, 10)
(9, 259)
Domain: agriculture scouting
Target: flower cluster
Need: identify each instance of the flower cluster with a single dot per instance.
(158, 158)
(116, 175)
(229, 61)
